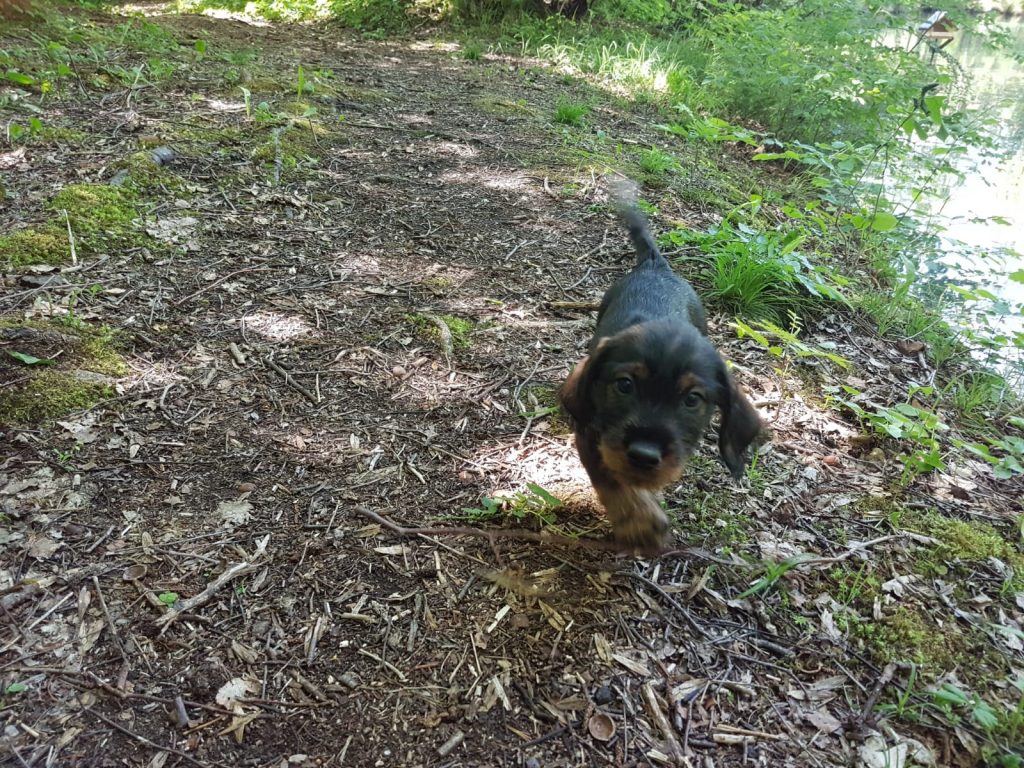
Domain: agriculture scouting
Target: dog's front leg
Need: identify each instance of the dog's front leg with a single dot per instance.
(636, 516)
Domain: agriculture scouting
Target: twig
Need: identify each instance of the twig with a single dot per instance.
(854, 550)
(869, 705)
(233, 572)
(654, 710)
(218, 281)
(580, 306)
(110, 622)
(291, 382)
(541, 537)
(71, 238)
(447, 345)
(152, 744)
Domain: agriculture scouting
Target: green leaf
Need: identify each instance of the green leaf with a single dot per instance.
(985, 716)
(14, 688)
(883, 222)
(934, 106)
(28, 359)
(548, 499)
(1018, 276)
(949, 694)
(168, 598)
(18, 78)
(200, 47)
(789, 154)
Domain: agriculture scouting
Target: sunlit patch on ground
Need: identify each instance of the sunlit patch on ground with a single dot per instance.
(451, 149)
(275, 326)
(493, 179)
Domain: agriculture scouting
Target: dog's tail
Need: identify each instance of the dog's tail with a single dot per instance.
(624, 196)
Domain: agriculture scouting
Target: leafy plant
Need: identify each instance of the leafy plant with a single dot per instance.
(656, 163)
(534, 502)
(918, 427)
(760, 332)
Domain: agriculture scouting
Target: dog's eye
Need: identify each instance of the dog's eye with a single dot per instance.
(624, 385)
(692, 399)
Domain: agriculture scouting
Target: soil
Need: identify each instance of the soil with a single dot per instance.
(190, 576)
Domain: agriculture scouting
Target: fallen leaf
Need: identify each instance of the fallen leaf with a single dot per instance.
(236, 512)
(41, 546)
(84, 430)
(636, 667)
(875, 753)
(823, 720)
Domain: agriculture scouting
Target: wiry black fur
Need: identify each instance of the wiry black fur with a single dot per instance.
(651, 331)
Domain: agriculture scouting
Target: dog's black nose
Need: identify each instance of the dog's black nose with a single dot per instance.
(643, 454)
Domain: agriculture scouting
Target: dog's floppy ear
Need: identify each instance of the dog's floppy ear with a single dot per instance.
(573, 393)
(740, 424)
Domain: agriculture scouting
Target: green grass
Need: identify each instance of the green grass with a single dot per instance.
(570, 113)
(472, 51)
(656, 164)
(747, 287)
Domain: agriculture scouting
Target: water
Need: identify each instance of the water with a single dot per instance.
(976, 250)
(992, 188)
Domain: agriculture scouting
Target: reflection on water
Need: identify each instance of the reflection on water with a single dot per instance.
(992, 188)
(976, 249)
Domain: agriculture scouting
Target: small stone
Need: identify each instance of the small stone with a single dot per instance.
(533, 762)
(603, 695)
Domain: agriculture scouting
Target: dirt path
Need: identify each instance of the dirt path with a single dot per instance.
(282, 327)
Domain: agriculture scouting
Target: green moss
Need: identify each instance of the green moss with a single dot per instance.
(54, 134)
(99, 214)
(459, 327)
(43, 245)
(48, 395)
(295, 145)
(965, 542)
(99, 354)
(47, 392)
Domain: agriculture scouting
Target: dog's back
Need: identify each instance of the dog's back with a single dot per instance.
(651, 290)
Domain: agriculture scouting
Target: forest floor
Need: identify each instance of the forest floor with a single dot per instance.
(357, 287)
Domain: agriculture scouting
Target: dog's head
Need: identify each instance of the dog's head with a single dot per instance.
(648, 394)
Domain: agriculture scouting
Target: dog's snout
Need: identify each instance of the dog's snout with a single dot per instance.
(644, 454)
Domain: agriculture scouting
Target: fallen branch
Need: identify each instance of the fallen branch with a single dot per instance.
(543, 537)
(667, 732)
(865, 546)
(581, 306)
(291, 382)
(233, 572)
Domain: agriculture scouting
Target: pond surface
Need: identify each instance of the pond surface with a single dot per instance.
(992, 188)
(977, 250)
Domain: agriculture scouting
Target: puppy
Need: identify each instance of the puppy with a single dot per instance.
(642, 398)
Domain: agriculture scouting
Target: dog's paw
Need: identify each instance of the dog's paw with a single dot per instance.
(638, 521)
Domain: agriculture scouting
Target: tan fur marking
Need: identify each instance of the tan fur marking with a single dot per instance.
(689, 381)
(636, 516)
(638, 371)
(618, 464)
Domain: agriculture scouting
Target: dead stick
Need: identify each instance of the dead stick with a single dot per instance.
(152, 744)
(291, 382)
(542, 538)
(233, 572)
(654, 710)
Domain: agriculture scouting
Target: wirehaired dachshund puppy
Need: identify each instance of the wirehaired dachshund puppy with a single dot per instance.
(642, 398)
